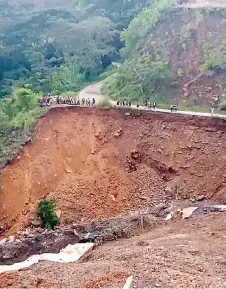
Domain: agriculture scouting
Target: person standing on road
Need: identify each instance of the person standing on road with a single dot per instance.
(93, 101)
(154, 105)
(212, 111)
(130, 103)
(138, 105)
(171, 108)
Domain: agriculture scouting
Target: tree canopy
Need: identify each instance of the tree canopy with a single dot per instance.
(39, 37)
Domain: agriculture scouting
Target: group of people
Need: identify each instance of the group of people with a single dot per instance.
(124, 102)
(173, 107)
(149, 104)
(57, 100)
(48, 100)
(128, 103)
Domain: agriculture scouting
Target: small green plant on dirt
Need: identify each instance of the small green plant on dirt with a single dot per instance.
(105, 103)
(46, 212)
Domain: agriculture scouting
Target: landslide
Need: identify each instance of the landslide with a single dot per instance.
(103, 163)
(182, 254)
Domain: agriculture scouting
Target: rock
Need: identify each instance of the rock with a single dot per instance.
(112, 197)
(187, 212)
(134, 154)
(209, 129)
(58, 213)
(68, 170)
(143, 198)
(168, 190)
(3, 241)
(93, 152)
(142, 243)
(11, 239)
(200, 198)
(218, 208)
(36, 222)
(46, 242)
(116, 134)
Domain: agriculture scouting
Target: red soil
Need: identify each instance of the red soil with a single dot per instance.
(81, 158)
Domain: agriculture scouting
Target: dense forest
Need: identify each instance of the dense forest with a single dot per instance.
(53, 46)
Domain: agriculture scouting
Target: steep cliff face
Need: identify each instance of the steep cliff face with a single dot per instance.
(98, 164)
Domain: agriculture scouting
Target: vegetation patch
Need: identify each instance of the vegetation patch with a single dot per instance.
(18, 115)
(46, 212)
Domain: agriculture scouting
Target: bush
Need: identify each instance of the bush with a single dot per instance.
(5, 126)
(105, 103)
(25, 99)
(46, 212)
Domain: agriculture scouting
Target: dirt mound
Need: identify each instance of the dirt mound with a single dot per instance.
(98, 164)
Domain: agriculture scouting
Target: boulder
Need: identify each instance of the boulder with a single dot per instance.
(200, 198)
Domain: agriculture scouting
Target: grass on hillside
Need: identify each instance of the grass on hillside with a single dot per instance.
(11, 145)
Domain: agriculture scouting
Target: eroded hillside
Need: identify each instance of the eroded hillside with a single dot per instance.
(103, 163)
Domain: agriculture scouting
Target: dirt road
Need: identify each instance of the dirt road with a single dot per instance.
(91, 91)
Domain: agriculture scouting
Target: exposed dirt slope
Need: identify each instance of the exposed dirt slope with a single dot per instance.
(82, 159)
(184, 254)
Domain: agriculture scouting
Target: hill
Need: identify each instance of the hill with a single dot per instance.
(174, 52)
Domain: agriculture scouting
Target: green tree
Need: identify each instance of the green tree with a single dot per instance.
(25, 99)
(145, 21)
(5, 126)
(138, 79)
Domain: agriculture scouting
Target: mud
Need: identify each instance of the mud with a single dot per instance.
(99, 164)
